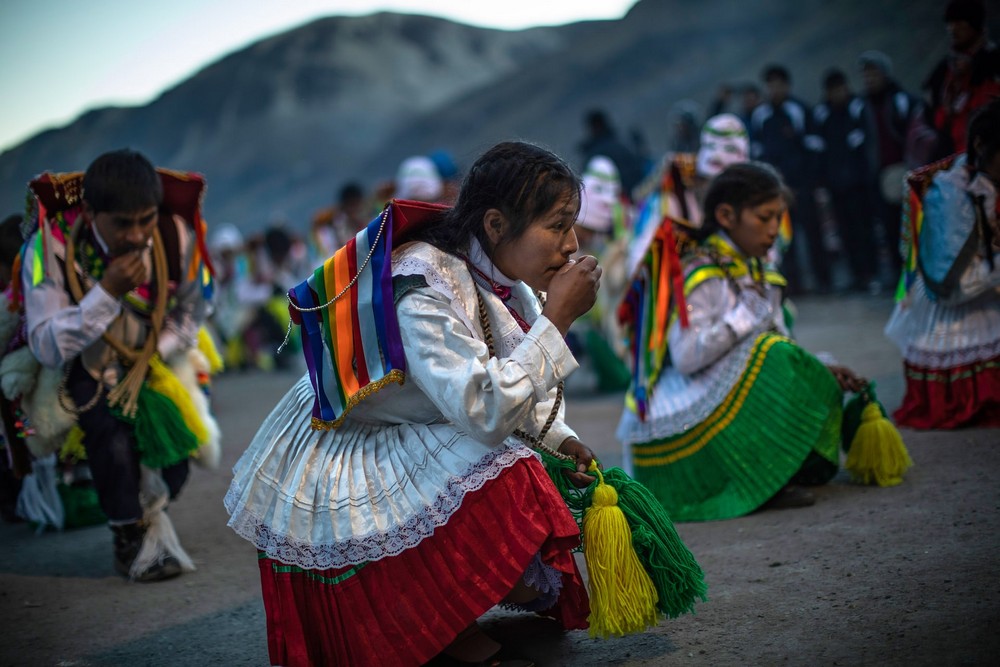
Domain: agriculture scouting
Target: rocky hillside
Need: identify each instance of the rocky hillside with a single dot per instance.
(278, 126)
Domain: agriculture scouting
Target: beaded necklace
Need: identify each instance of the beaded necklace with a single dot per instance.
(536, 441)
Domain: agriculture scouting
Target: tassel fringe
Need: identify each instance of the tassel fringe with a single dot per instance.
(622, 596)
(876, 454)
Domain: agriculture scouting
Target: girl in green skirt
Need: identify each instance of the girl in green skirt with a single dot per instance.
(726, 412)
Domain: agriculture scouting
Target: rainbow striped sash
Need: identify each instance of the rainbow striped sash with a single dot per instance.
(348, 318)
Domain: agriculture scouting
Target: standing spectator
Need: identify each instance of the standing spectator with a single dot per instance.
(967, 78)
(848, 157)
(895, 113)
(781, 134)
(603, 140)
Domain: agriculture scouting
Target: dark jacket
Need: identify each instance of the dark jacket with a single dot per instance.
(784, 137)
(847, 152)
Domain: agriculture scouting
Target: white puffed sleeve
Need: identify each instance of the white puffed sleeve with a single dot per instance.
(718, 318)
(485, 397)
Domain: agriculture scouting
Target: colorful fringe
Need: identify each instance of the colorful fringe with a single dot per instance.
(168, 428)
(657, 296)
(785, 409)
(348, 317)
(647, 304)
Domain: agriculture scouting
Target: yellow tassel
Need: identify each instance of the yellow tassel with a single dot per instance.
(877, 452)
(72, 449)
(163, 381)
(207, 346)
(622, 596)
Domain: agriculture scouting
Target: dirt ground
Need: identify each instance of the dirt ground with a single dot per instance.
(868, 576)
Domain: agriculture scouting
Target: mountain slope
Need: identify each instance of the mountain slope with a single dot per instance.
(278, 126)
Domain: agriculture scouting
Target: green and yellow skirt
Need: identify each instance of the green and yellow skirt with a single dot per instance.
(779, 423)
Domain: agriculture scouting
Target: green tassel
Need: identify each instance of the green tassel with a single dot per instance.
(679, 580)
(80, 506)
(161, 436)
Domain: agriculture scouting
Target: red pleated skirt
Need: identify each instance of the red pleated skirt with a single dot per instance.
(963, 396)
(404, 609)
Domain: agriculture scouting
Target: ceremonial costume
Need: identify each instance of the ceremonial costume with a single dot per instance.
(947, 319)
(725, 409)
(383, 538)
(128, 368)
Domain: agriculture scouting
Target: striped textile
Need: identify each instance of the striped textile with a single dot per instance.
(347, 316)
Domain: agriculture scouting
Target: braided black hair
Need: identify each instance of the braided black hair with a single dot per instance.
(521, 180)
(742, 185)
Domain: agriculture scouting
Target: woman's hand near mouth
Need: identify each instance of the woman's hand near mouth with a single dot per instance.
(572, 292)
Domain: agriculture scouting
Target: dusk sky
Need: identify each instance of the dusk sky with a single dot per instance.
(60, 58)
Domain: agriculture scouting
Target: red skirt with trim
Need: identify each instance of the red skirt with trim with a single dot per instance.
(403, 610)
(962, 396)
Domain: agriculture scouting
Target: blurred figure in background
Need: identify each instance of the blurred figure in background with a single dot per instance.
(418, 179)
(684, 127)
(897, 119)
(750, 99)
(451, 178)
(601, 139)
(237, 296)
(948, 325)
(334, 226)
(967, 78)
(600, 232)
(676, 188)
(847, 162)
(280, 260)
(782, 135)
(15, 460)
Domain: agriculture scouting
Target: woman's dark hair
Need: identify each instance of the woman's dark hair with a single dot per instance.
(121, 181)
(521, 180)
(985, 126)
(742, 186)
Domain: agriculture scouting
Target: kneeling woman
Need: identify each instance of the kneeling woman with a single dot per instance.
(384, 539)
(948, 325)
(727, 412)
